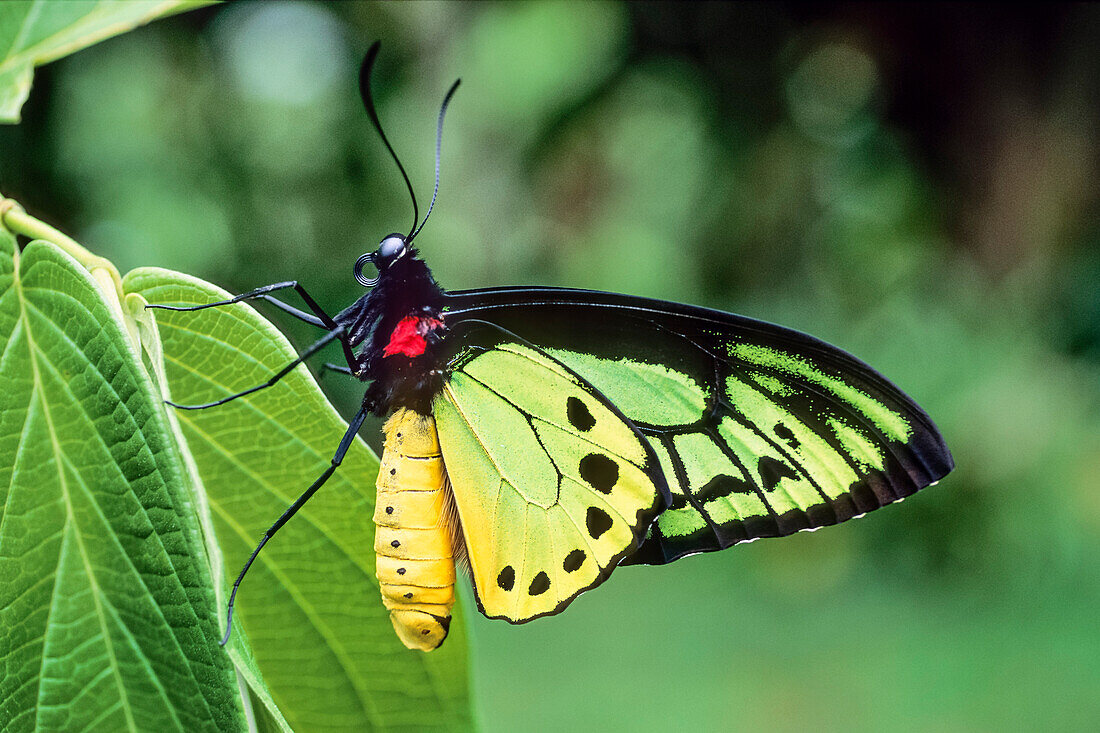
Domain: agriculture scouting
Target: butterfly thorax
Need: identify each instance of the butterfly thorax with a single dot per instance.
(398, 330)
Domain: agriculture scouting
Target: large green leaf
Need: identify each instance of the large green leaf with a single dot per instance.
(35, 32)
(108, 618)
(310, 606)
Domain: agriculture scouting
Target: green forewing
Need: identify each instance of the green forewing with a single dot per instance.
(553, 486)
(758, 430)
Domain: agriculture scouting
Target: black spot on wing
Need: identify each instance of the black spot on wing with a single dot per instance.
(721, 486)
(507, 578)
(772, 470)
(785, 433)
(579, 415)
(598, 521)
(539, 585)
(679, 501)
(573, 560)
(599, 471)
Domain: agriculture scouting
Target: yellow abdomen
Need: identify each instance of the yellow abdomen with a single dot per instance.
(413, 542)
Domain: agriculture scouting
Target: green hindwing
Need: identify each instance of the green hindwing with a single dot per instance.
(759, 431)
(554, 487)
(764, 452)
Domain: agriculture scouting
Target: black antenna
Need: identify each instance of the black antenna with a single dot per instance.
(368, 102)
(438, 150)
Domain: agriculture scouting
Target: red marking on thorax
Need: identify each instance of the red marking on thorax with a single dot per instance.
(408, 336)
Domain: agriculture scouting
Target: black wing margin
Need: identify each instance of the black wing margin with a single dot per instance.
(761, 431)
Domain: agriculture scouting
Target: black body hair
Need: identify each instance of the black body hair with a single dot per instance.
(405, 288)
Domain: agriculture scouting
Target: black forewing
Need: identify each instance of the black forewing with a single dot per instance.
(760, 479)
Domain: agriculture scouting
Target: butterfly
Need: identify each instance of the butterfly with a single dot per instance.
(542, 437)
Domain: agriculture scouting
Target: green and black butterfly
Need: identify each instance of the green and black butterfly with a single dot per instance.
(584, 430)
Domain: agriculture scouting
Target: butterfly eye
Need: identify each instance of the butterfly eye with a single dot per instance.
(391, 248)
(366, 282)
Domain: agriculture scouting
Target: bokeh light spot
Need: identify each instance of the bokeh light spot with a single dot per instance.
(284, 52)
(830, 91)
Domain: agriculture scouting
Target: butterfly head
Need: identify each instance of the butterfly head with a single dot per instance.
(395, 246)
(392, 248)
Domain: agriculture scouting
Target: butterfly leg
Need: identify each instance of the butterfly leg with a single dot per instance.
(337, 459)
(338, 368)
(320, 317)
(320, 344)
(299, 314)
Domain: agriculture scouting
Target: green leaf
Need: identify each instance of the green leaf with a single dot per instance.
(310, 606)
(108, 619)
(35, 32)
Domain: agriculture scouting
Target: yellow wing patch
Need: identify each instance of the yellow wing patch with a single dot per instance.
(553, 487)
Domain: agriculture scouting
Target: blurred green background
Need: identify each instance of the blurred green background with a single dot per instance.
(915, 184)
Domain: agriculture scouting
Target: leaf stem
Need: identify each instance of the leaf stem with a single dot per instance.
(18, 221)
